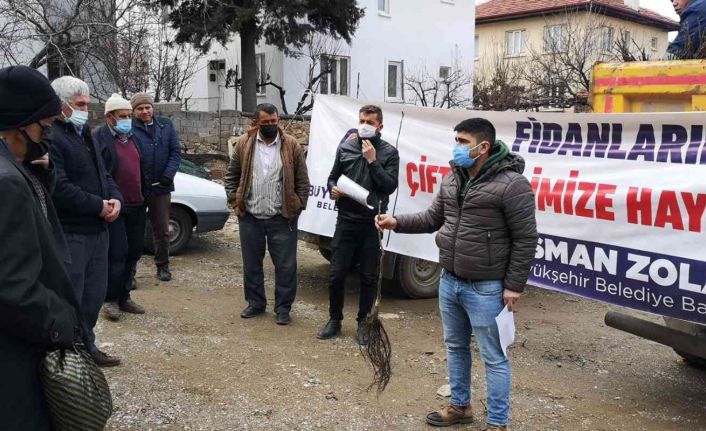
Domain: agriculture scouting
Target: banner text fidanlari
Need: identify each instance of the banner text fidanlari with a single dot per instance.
(678, 144)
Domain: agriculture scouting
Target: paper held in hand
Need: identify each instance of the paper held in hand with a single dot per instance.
(506, 328)
(354, 190)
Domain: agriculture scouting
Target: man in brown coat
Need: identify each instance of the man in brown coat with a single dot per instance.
(267, 185)
(487, 236)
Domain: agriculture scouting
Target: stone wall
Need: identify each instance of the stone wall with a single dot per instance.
(209, 132)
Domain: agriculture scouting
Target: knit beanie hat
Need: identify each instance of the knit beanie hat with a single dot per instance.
(26, 96)
(115, 102)
(138, 99)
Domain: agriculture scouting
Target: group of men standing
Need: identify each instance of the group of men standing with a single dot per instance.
(73, 223)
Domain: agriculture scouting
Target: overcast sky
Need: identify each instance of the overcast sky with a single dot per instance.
(662, 6)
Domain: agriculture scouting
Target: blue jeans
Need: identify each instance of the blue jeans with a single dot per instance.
(471, 307)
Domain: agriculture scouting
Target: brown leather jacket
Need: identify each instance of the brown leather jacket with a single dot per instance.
(295, 179)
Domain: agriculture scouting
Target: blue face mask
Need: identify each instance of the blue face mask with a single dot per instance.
(462, 156)
(77, 118)
(123, 126)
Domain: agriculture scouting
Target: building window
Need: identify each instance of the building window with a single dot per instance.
(217, 71)
(62, 63)
(654, 43)
(261, 67)
(335, 82)
(394, 81)
(515, 43)
(476, 47)
(606, 39)
(555, 38)
(444, 72)
(384, 6)
(625, 38)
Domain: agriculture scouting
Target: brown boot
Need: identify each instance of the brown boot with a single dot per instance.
(496, 428)
(111, 311)
(105, 360)
(450, 415)
(131, 306)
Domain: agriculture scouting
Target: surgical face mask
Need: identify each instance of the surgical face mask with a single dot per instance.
(366, 131)
(123, 126)
(462, 156)
(77, 118)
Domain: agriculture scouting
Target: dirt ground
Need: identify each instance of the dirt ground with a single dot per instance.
(191, 363)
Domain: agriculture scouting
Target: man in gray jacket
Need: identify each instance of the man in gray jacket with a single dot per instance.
(487, 235)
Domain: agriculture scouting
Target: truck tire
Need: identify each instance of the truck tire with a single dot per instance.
(692, 329)
(418, 278)
(180, 229)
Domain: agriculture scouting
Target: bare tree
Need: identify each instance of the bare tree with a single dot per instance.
(499, 84)
(114, 45)
(319, 51)
(446, 89)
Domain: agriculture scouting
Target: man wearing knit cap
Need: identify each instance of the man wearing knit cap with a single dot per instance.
(161, 155)
(87, 200)
(123, 160)
(38, 307)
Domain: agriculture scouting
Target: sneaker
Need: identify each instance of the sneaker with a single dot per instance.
(361, 337)
(105, 360)
(111, 311)
(496, 428)
(132, 307)
(332, 328)
(163, 273)
(450, 415)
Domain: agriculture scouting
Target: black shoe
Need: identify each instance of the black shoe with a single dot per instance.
(163, 273)
(104, 360)
(332, 328)
(251, 312)
(283, 319)
(361, 337)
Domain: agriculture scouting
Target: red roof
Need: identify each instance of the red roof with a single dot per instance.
(503, 10)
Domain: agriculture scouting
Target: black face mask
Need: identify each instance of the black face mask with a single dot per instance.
(269, 131)
(35, 150)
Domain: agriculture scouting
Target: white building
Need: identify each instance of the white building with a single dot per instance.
(395, 39)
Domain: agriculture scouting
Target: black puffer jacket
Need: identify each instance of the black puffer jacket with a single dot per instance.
(493, 235)
(380, 178)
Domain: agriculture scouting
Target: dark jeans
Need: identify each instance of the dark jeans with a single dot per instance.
(354, 242)
(88, 271)
(127, 235)
(158, 206)
(279, 236)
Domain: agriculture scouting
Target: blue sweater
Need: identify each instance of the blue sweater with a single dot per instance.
(82, 182)
(692, 29)
(161, 153)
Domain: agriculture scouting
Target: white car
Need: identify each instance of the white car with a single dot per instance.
(197, 205)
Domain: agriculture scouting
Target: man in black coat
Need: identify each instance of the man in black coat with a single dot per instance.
(372, 163)
(35, 291)
(86, 199)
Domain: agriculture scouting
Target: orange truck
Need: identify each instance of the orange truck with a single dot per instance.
(663, 86)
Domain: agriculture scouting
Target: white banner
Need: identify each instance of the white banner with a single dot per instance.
(620, 197)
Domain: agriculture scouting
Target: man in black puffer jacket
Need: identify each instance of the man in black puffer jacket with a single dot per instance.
(373, 164)
(487, 236)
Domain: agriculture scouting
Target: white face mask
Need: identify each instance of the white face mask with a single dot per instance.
(366, 131)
